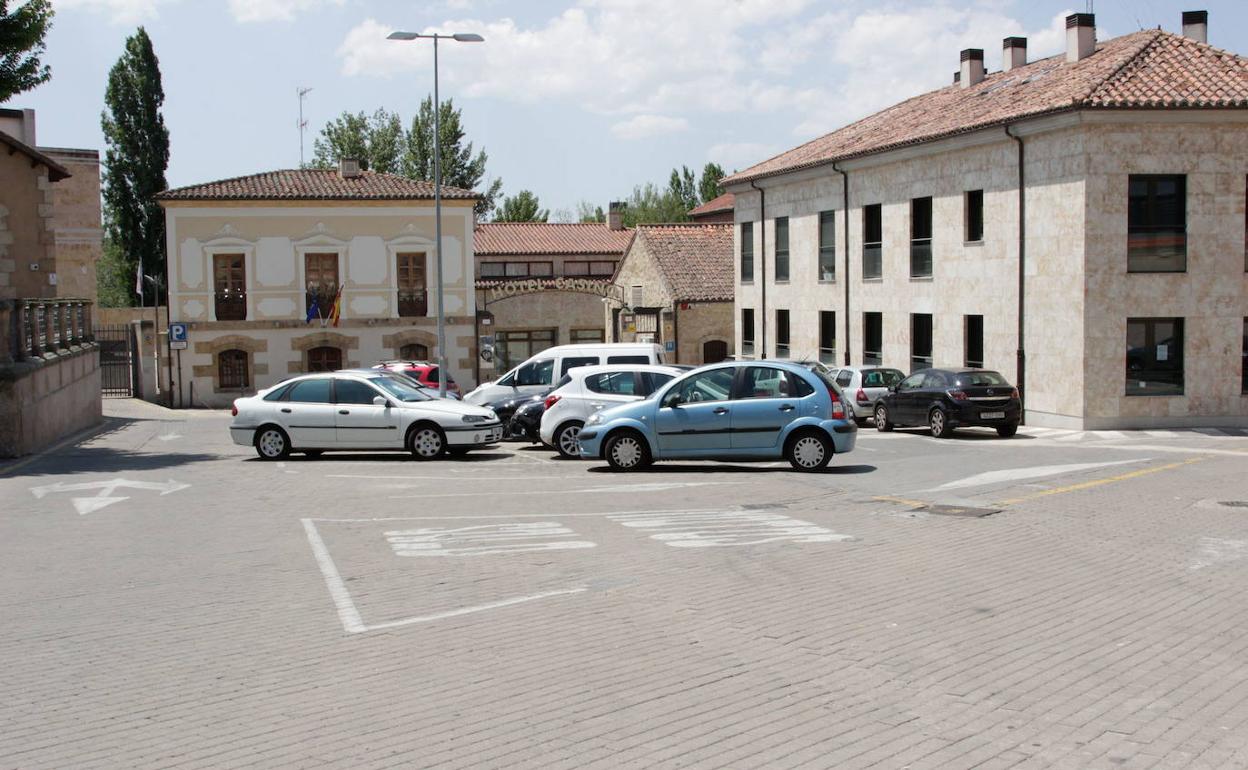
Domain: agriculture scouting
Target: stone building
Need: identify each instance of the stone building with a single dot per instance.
(543, 284)
(674, 287)
(256, 264)
(1076, 222)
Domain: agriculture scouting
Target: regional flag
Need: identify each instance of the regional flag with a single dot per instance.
(337, 309)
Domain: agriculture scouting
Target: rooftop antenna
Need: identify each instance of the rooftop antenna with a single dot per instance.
(303, 124)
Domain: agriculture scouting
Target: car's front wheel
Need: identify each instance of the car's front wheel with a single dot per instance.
(565, 440)
(881, 419)
(808, 451)
(1007, 431)
(938, 421)
(626, 451)
(272, 443)
(426, 441)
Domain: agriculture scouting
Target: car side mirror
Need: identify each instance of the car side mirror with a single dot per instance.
(892, 388)
(672, 400)
(381, 401)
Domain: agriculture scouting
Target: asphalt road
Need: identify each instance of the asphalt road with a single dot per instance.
(1060, 599)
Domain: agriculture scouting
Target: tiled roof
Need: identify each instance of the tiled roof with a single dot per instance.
(56, 172)
(1149, 69)
(695, 259)
(313, 184)
(506, 238)
(723, 202)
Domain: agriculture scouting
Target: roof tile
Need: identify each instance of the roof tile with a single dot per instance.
(695, 259)
(507, 238)
(314, 184)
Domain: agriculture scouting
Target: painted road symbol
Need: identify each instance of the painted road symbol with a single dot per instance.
(484, 540)
(104, 496)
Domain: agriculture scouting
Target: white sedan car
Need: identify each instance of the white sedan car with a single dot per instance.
(358, 411)
(591, 389)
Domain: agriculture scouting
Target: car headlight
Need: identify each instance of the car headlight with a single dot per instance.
(473, 418)
(594, 419)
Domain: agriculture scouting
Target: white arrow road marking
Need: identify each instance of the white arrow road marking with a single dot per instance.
(1022, 474)
(85, 505)
(104, 496)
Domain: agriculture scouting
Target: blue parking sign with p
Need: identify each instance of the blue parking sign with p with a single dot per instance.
(177, 335)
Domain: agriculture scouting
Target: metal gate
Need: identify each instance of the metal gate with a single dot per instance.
(118, 360)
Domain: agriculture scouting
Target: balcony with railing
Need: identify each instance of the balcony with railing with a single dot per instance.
(231, 305)
(43, 328)
(413, 304)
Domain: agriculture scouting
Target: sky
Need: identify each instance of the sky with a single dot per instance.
(579, 100)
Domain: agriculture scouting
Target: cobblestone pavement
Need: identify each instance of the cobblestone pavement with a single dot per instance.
(1061, 599)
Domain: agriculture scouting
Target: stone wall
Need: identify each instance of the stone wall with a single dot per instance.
(699, 323)
(44, 400)
(27, 245)
(76, 222)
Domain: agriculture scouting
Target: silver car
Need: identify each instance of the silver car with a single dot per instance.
(864, 385)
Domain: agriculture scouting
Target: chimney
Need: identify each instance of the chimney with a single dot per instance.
(1080, 36)
(1196, 25)
(615, 215)
(348, 168)
(972, 70)
(1013, 53)
(957, 76)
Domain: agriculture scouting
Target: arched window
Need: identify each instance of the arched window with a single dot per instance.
(232, 370)
(324, 359)
(414, 352)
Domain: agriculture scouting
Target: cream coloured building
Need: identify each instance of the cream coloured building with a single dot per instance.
(1077, 223)
(256, 263)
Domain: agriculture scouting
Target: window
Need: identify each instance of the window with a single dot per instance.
(232, 370)
(973, 341)
(782, 248)
(913, 382)
(586, 335)
(782, 334)
(715, 385)
(872, 242)
(589, 269)
(974, 202)
(353, 392)
(536, 373)
(514, 347)
(628, 359)
(827, 245)
(872, 338)
(920, 341)
(229, 287)
(413, 297)
(310, 392)
(517, 269)
(619, 383)
(414, 352)
(1154, 356)
(324, 359)
(747, 251)
(571, 363)
(747, 331)
(652, 381)
(714, 351)
(493, 269)
(844, 377)
(921, 238)
(320, 271)
(827, 336)
(764, 382)
(1157, 223)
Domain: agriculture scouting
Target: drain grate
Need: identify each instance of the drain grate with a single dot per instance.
(961, 510)
(1234, 503)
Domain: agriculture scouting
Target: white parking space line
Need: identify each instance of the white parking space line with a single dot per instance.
(414, 477)
(726, 528)
(477, 608)
(1025, 473)
(484, 539)
(505, 516)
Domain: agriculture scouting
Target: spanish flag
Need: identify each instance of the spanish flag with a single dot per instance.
(337, 309)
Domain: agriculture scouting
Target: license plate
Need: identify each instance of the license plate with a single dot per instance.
(992, 415)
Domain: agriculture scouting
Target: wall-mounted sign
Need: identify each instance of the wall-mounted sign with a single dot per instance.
(177, 336)
(577, 285)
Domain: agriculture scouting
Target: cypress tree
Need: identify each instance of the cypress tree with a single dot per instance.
(135, 159)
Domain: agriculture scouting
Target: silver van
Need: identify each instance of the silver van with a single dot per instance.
(540, 373)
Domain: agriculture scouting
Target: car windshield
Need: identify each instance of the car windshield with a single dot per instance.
(977, 379)
(881, 378)
(399, 389)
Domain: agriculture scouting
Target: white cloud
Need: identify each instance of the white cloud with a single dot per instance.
(645, 126)
(273, 10)
(739, 155)
(118, 11)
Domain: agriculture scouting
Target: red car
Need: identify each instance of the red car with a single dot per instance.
(423, 372)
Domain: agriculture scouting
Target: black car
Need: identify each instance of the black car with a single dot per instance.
(527, 420)
(944, 399)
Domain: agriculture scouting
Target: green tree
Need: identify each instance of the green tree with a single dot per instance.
(682, 187)
(650, 204)
(588, 212)
(523, 207)
(21, 44)
(709, 187)
(460, 168)
(114, 277)
(376, 141)
(135, 159)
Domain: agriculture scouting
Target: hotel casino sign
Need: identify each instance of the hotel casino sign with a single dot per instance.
(536, 285)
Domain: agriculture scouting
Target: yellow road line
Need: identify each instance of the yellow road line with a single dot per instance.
(1100, 482)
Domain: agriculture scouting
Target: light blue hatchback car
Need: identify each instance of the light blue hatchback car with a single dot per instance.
(743, 410)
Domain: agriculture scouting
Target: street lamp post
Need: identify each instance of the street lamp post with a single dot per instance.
(437, 182)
